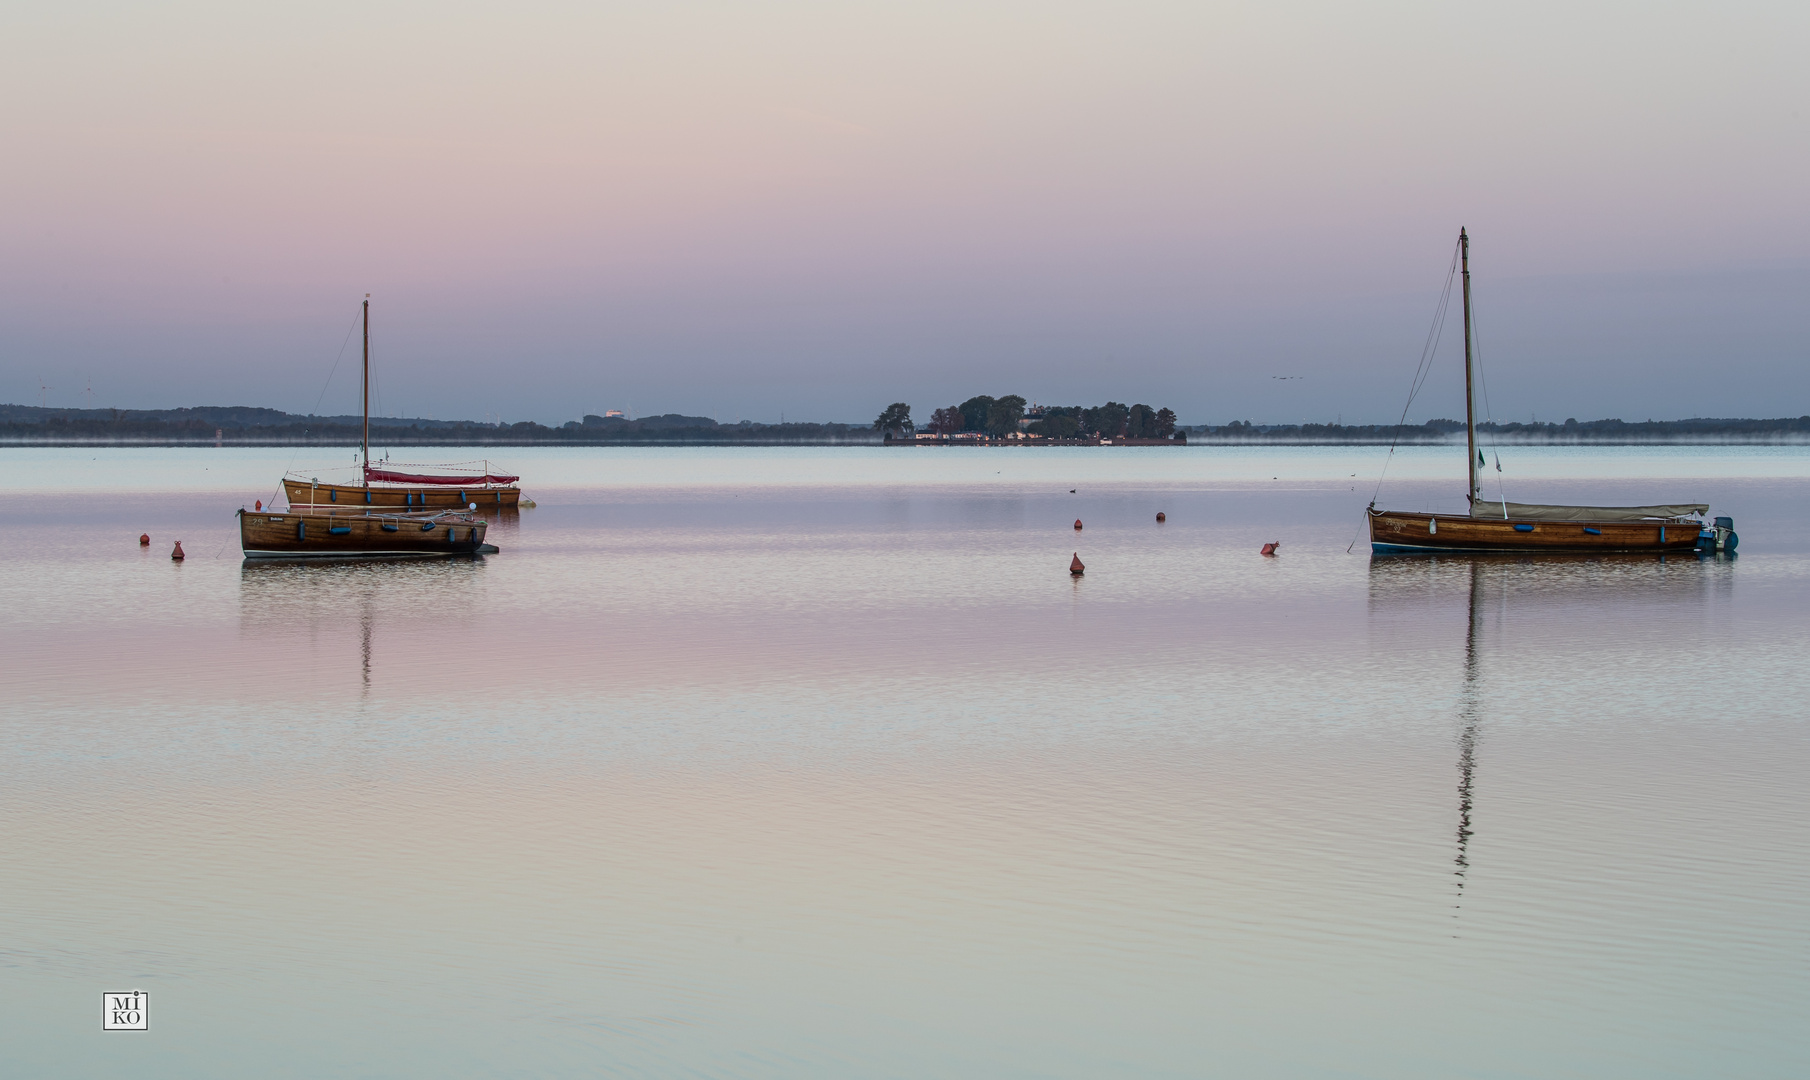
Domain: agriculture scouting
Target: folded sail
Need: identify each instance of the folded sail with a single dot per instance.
(1539, 512)
(388, 477)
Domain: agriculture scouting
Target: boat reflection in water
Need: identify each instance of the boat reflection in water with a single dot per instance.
(1503, 594)
(367, 614)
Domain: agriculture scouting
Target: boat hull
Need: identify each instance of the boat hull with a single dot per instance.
(338, 535)
(358, 496)
(1396, 533)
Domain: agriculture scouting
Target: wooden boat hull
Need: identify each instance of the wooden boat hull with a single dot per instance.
(359, 496)
(1396, 533)
(337, 535)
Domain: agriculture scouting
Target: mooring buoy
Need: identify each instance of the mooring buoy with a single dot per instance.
(1270, 548)
(1075, 566)
(144, 539)
(1077, 524)
(1160, 516)
(177, 554)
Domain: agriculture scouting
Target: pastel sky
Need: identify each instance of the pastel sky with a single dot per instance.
(743, 209)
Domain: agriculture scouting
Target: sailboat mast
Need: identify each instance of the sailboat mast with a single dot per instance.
(1470, 395)
(365, 444)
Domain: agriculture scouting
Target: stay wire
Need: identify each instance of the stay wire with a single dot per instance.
(1429, 348)
(1489, 411)
(317, 402)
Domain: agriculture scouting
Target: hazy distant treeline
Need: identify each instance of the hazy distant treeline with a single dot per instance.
(246, 425)
(1700, 429)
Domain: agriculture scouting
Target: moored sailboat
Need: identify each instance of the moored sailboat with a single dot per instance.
(324, 532)
(407, 486)
(1503, 526)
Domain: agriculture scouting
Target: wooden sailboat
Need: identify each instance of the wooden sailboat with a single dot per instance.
(403, 485)
(1503, 526)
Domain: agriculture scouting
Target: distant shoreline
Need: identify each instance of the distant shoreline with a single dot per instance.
(389, 441)
(22, 425)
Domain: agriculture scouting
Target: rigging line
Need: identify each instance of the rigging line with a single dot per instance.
(317, 403)
(1494, 445)
(1429, 348)
(1425, 368)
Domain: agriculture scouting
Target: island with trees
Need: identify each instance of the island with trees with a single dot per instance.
(990, 420)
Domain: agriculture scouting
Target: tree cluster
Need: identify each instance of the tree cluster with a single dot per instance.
(998, 417)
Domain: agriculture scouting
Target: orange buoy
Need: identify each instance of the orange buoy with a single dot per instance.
(1270, 548)
(177, 554)
(259, 505)
(1077, 524)
(1075, 565)
(1160, 516)
(144, 539)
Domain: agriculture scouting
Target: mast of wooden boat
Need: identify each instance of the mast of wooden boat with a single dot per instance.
(365, 442)
(1470, 395)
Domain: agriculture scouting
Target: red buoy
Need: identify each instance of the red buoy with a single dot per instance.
(1077, 524)
(144, 539)
(1270, 548)
(1160, 516)
(177, 554)
(1075, 565)
(259, 505)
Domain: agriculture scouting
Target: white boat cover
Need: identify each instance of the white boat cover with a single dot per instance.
(1539, 512)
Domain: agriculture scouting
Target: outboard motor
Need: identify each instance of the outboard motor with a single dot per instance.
(1718, 537)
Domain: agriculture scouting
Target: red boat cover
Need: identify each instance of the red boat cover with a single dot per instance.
(388, 477)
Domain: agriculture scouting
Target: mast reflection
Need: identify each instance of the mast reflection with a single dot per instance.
(1470, 716)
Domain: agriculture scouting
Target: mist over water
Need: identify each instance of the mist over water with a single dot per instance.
(817, 762)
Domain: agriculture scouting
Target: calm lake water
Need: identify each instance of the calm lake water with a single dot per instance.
(817, 763)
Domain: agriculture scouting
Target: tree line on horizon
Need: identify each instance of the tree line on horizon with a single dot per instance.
(999, 417)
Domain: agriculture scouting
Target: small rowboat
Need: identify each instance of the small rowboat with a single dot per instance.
(319, 532)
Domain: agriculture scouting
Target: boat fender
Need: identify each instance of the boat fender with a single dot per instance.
(177, 556)
(144, 539)
(332, 496)
(339, 530)
(1075, 566)
(427, 526)
(1523, 527)
(301, 530)
(461, 496)
(367, 495)
(1592, 530)
(1433, 526)
(387, 527)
